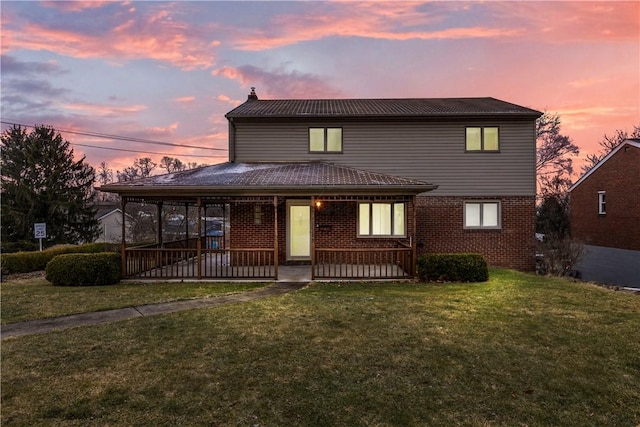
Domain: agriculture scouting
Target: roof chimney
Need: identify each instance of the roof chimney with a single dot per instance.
(252, 96)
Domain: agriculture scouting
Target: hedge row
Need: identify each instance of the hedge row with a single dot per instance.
(84, 269)
(452, 268)
(26, 262)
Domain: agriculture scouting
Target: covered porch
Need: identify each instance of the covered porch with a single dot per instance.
(312, 220)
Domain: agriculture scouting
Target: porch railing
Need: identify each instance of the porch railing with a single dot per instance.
(184, 263)
(390, 263)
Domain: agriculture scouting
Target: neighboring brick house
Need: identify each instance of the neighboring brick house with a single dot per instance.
(369, 182)
(605, 216)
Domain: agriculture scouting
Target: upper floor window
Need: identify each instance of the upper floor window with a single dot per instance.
(325, 140)
(381, 220)
(602, 202)
(482, 139)
(482, 214)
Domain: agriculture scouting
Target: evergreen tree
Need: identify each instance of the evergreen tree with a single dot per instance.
(41, 182)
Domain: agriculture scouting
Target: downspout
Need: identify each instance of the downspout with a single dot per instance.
(414, 245)
(199, 241)
(275, 237)
(123, 242)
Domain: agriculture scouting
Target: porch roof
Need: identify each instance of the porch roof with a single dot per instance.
(281, 178)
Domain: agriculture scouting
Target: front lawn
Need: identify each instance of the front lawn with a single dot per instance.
(35, 298)
(517, 350)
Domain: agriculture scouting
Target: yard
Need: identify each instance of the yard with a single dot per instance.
(517, 350)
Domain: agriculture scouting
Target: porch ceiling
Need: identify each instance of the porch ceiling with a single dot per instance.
(268, 179)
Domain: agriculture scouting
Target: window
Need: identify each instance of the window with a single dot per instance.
(482, 139)
(325, 140)
(602, 202)
(482, 215)
(381, 219)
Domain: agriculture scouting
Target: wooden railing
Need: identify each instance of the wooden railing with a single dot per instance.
(167, 263)
(392, 263)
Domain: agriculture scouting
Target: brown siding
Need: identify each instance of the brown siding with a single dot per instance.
(619, 176)
(440, 230)
(428, 151)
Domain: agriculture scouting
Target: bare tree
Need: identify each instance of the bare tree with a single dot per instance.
(554, 152)
(104, 176)
(172, 164)
(607, 144)
(145, 165)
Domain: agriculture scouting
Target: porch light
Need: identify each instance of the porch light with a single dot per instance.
(318, 204)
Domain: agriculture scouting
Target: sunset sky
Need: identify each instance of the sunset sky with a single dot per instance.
(169, 72)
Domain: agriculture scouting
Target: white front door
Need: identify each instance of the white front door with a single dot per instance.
(298, 230)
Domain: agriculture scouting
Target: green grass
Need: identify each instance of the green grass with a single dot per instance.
(518, 350)
(29, 299)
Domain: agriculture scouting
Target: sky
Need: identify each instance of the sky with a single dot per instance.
(169, 71)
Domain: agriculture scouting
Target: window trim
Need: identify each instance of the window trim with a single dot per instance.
(602, 202)
(325, 141)
(482, 149)
(481, 226)
(391, 225)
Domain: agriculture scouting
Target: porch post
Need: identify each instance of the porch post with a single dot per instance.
(275, 236)
(123, 242)
(199, 241)
(159, 230)
(186, 222)
(414, 243)
(312, 220)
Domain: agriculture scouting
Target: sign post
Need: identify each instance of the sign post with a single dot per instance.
(40, 232)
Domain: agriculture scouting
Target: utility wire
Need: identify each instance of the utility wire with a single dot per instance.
(136, 151)
(123, 138)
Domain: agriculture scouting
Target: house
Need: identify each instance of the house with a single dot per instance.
(355, 188)
(110, 224)
(605, 216)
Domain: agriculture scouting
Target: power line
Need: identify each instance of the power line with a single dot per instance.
(123, 138)
(136, 151)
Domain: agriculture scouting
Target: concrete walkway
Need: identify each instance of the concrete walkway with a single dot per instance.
(40, 326)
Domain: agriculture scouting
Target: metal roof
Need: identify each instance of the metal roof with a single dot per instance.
(408, 107)
(272, 178)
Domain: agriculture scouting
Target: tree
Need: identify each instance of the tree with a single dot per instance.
(554, 152)
(41, 182)
(172, 164)
(559, 254)
(141, 168)
(607, 144)
(104, 176)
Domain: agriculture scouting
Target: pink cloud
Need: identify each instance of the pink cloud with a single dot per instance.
(568, 22)
(184, 100)
(377, 20)
(75, 6)
(280, 83)
(227, 100)
(104, 110)
(157, 36)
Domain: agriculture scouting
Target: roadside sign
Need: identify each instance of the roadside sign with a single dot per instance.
(40, 232)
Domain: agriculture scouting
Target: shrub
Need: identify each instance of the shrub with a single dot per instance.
(452, 268)
(94, 269)
(26, 262)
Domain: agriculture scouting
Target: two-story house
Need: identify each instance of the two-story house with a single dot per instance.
(605, 217)
(357, 188)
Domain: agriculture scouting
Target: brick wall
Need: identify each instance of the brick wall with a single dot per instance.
(440, 230)
(619, 177)
(336, 227)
